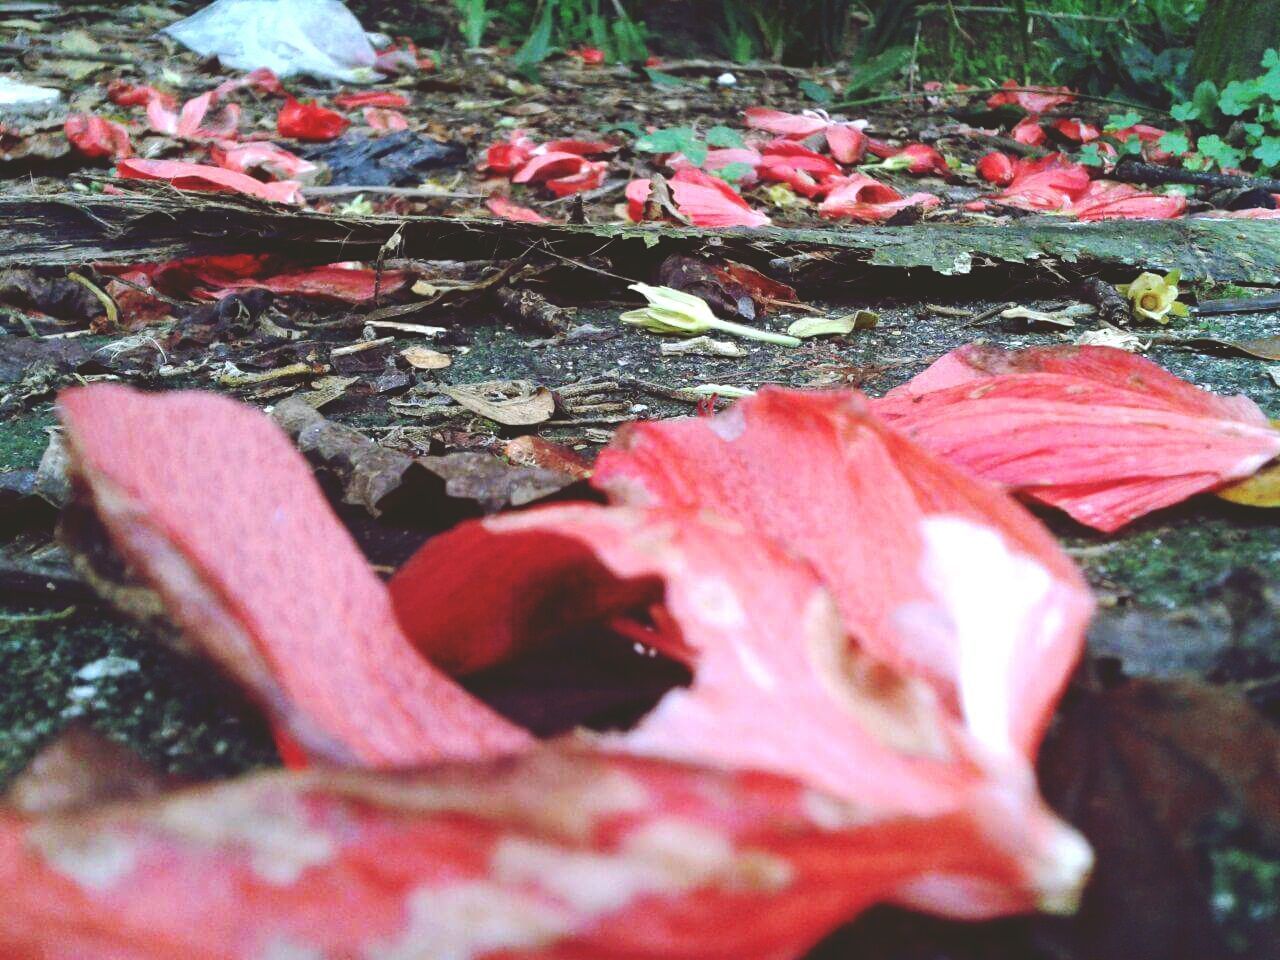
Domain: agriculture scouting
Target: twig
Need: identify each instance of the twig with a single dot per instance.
(1260, 304)
(1152, 173)
(411, 193)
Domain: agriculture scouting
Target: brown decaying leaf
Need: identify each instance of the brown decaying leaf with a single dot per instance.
(1148, 770)
(512, 403)
(732, 289)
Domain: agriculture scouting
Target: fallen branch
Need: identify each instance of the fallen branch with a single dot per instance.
(72, 229)
(1154, 174)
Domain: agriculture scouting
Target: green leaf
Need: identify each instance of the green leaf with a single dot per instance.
(816, 92)
(660, 79)
(1271, 59)
(1237, 96)
(1254, 130)
(1089, 155)
(1205, 98)
(669, 140)
(878, 71)
(538, 47)
(626, 126)
(1268, 152)
(1219, 151)
(1184, 112)
(733, 172)
(1175, 142)
(1118, 121)
(719, 136)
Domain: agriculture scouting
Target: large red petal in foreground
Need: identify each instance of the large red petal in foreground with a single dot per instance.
(209, 501)
(559, 855)
(937, 575)
(1097, 432)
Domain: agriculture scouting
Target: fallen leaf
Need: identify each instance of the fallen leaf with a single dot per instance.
(512, 403)
(1260, 490)
(424, 358)
(822, 326)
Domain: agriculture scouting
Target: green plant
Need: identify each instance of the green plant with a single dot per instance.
(475, 20)
(785, 31)
(694, 146)
(1235, 127)
(560, 24)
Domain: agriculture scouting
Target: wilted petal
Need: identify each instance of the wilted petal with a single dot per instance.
(895, 525)
(508, 209)
(562, 853)
(1121, 201)
(212, 504)
(794, 126)
(1096, 431)
(198, 176)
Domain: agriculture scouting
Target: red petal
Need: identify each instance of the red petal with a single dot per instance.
(801, 157)
(996, 168)
(1122, 201)
(509, 156)
(1050, 183)
(309, 121)
(260, 155)
(190, 122)
(589, 177)
(127, 95)
(547, 166)
(1077, 130)
(710, 202)
(584, 148)
(260, 574)
(1099, 433)
(792, 125)
(846, 142)
(924, 159)
(1030, 132)
(96, 137)
(195, 176)
(894, 526)
(371, 98)
(1034, 100)
(559, 855)
(503, 207)
(330, 284)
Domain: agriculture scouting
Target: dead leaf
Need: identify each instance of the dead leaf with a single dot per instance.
(1165, 778)
(1260, 490)
(1263, 348)
(424, 358)
(823, 326)
(512, 403)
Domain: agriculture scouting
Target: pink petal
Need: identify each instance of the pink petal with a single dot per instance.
(894, 524)
(558, 854)
(1122, 201)
(97, 137)
(212, 504)
(589, 177)
(549, 166)
(1099, 433)
(710, 202)
(195, 176)
(792, 125)
(1034, 100)
(847, 143)
(259, 154)
(503, 207)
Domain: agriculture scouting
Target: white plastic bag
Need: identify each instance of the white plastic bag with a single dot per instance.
(321, 38)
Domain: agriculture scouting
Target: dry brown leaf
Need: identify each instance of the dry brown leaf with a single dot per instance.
(424, 358)
(512, 403)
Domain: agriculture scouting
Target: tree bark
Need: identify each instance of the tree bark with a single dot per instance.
(1233, 36)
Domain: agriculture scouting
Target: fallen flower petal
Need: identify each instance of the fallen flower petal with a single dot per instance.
(772, 459)
(847, 143)
(510, 156)
(1122, 201)
(864, 200)
(548, 166)
(309, 122)
(274, 160)
(996, 168)
(507, 209)
(126, 94)
(1050, 183)
(371, 98)
(263, 578)
(795, 126)
(1097, 432)
(560, 853)
(1034, 100)
(584, 148)
(385, 121)
(1077, 130)
(919, 159)
(190, 122)
(196, 176)
(1030, 132)
(97, 137)
(706, 200)
(589, 177)
(330, 284)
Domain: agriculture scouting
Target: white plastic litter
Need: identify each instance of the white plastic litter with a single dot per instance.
(321, 38)
(16, 97)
